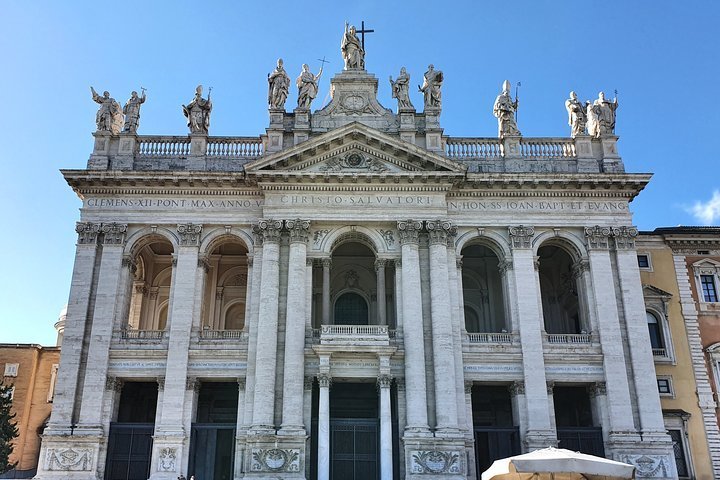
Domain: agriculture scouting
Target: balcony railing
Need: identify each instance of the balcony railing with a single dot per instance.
(354, 330)
(660, 352)
(142, 334)
(569, 338)
(354, 334)
(530, 148)
(207, 334)
(503, 337)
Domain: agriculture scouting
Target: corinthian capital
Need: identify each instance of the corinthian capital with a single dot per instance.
(409, 231)
(521, 236)
(87, 232)
(624, 237)
(113, 233)
(189, 234)
(268, 230)
(440, 231)
(299, 230)
(597, 237)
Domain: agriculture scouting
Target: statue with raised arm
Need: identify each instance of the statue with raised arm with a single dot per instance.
(504, 110)
(109, 117)
(197, 112)
(577, 116)
(132, 111)
(352, 50)
(401, 89)
(307, 84)
(606, 114)
(278, 87)
(432, 82)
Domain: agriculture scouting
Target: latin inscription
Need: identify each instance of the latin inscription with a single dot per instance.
(208, 204)
(536, 206)
(357, 200)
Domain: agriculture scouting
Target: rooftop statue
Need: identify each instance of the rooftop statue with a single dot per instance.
(109, 117)
(352, 51)
(132, 111)
(307, 84)
(432, 82)
(401, 89)
(278, 87)
(504, 109)
(577, 116)
(601, 116)
(198, 111)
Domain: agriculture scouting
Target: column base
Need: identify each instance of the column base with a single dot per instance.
(70, 457)
(167, 455)
(274, 457)
(435, 458)
(417, 432)
(653, 457)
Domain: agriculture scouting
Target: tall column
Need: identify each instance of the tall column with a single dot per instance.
(106, 308)
(239, 426)
(266, 350)
(540, 430)
(413, 334)
(254, 310)
(323, 460)
(386, 462)
(172, 426)
(446, 405)
(641, 358)
(295, 319)
(326, 262)
(381, 298)
(606, 310)
(63, 415)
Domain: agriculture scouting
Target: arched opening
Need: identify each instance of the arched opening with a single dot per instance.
(226, 287)
(151, 286)
(351, 309)
(484, 304)
(559, 291)
(657, 341)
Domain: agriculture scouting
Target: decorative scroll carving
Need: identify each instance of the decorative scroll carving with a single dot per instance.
(241, 383)
(598, 237)
(579, 268)
(388, 236)
(318, 236)
(161, 383)
(521, 236)
(70, 459)
(204, 263)
(624, 237)
(189, 234)
(167, 459)
(113, 384)
(504, 266)
(129, 262)
(192, 384)
(299, 230)
(275, 460)
(409, 231)
(113, 233)
(517, 388)
(384, 381)
(597, 388)
(87, 232)
(650, 466)
(550, 387)
(440, 231)
(308, 383)
(435, 462)
(324, 380)
(325, 262)
(380, 264)
(468, 387)
(268, 230)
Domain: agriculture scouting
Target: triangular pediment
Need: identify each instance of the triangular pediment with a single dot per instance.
(650, 291)
(355, 149)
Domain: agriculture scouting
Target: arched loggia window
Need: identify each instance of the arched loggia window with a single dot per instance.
(351, 309)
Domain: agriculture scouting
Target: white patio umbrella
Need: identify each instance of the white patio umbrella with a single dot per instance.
(557, 464)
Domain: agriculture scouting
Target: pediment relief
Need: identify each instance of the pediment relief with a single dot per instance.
(354, 149)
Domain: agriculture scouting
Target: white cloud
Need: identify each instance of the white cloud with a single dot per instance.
(707, 212)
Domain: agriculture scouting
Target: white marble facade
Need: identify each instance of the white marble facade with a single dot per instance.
(158, 296)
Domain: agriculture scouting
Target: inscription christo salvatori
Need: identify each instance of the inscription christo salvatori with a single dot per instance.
(357, 200)
(537, 205)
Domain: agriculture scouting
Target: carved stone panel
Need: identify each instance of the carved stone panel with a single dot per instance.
(275, 460)
(71, 459)
(434, 462)
(648, 466)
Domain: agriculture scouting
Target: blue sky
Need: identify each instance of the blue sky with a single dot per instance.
(661, 56)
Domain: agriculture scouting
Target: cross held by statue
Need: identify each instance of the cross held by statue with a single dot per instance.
(362, 33)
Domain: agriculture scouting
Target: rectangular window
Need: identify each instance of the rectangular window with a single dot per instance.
(679, 450)
(11, 369)
(664, 386)
(708, 287)
(643, 261)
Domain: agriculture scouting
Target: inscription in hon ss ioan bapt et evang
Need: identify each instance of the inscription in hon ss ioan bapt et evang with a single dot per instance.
(537, 206)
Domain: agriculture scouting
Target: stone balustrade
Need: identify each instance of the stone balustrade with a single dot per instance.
(503, 337)
(354, 334)
(142, 334)
(156, 146)
(206, 334)
(459, 148)
(569, 338)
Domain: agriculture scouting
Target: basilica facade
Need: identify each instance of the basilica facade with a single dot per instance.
(353, 294)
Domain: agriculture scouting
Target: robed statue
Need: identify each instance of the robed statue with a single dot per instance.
(401, 89)
(278, 87)
(109, 117)
(432, 82)
(504, 110)
(197, 112)
(132, 111)
(577, 116)
(352, 50)
(307, 84)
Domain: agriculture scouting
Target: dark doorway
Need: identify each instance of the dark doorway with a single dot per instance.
(130, 437)
(496, 435)
(574, 421)
(351, 309)
(354, 432)
(212, 442)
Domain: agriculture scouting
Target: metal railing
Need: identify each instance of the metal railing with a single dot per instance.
(660, 352)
